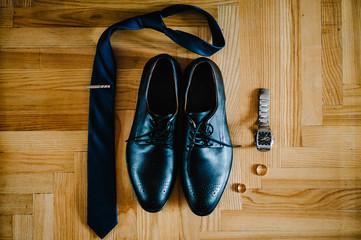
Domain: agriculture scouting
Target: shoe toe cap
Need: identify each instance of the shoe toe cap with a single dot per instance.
(203, 199)
(152, 195)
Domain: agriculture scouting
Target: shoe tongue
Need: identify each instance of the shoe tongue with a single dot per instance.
(199, 116)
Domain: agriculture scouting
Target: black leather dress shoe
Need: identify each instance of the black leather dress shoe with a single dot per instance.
(207, 149)
(150, 148)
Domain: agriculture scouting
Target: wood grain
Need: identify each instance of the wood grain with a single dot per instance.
(351, 41)
(352, 94)
(310, 62)
(6, 3)
(342, 115)
(152, 5)
(27, 162)
(6, 224)
(53, 105)
(97, 17)
(270, 234)
(171, 216)
(19, 58)
(43, 217)
(64, 198)
(43, 141)
(337, 137)
(148, 227)
(6, 17)
(26, 183)
(23, 227)
(211, 222)
(125, 195)
(299, 221)
(23, 3)
(290, 79)
(332, 52)
(190, 223)
(315, 178)
(308, 157)
(16, 204)
(309, 199)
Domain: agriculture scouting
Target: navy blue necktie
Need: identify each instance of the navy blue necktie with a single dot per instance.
(102, 204)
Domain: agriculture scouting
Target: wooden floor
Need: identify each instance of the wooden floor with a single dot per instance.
(308, 52)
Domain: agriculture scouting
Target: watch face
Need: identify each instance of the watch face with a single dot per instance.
(264, 138)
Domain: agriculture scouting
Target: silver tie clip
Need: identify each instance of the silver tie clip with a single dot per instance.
(98, 86)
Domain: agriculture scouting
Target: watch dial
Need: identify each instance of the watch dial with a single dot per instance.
(264, 138)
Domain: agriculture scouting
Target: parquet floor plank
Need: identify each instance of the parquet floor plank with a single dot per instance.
(64, 198)
(290, 82)
(337, 137)
(56, 142)
(19, 59)
(308, 199)
(90, 16)
(332, 52)
(351, 41)
(23, 227)
(315, 178)
(270, 235)
(16, 204)
(308, 157)
(26, 183)
(310, 62)
(6, 225)
(299, 221)
(23, 162)
(43, 216)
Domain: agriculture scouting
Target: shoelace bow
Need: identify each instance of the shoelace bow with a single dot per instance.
(201, 137)
(160, 133)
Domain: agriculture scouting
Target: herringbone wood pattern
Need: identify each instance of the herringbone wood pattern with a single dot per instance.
(308, 52)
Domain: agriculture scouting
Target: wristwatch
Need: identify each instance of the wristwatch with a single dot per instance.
(264, 138)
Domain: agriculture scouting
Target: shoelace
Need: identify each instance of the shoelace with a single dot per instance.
(160, 133)
(202, 138)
